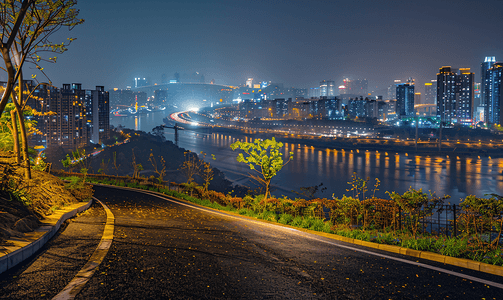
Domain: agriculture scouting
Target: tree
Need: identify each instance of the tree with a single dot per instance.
(80, 159)
(103, 166)
(190, 166)
(116, 166)
(159, 170)
(12, 14)
(137, 168)
(264, 158)
(9, 129)
(206, 171)
(26, 30)
(36, 21)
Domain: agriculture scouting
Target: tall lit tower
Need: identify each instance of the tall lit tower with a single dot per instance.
(249, 83)
(464, 101)
(430, 92)
(446, 94)
(494, 94)
(485, 65)
(327, 88)
(455, 95)
(405, 100)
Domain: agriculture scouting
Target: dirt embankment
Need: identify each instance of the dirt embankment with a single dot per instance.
(24, 202)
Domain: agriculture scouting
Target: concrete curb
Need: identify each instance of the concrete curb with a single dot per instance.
(79, 281)
(33, 241)
(449, 260)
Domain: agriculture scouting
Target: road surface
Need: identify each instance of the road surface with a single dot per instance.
(163, 249)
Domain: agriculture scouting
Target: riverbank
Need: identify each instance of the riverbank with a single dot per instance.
(390, 146)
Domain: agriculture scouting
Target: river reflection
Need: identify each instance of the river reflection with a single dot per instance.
(454, 176)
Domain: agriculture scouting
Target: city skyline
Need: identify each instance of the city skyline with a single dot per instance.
(295, 44)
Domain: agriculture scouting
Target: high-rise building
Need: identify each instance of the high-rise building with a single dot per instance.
(417, 98)
(98, 115)
(358, 87)
(455, 95)
(446, 94)
(392, 89)
(484, 66)
(405, 100)
(249, 83)
(494, 94)
(127, 97)
(139, 82)
(464, 101)
(430, 92)
(314, 92)
(478, 109)
(67, 129)
(327, 88)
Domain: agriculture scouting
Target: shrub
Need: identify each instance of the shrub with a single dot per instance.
(297, 221)
(285, 219)
(317, 225)
(328, 227)
(480, 215)
(346, 210)
(268, 216)
(251, 213)
(248, 201)
(236, 202)
(307, 222)
(416, 205)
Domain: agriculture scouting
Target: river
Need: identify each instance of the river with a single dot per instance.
(310, 166)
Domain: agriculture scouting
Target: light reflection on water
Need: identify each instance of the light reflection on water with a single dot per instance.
(454, 176)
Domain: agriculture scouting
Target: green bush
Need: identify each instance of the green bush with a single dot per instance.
(251, 213)
(328, 227)
(297, 221)
(386, 238)
(285, 219)
(317, 225)
(268, 216)
(307, 222)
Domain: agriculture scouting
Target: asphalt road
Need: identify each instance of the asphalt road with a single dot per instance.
(47, 273)
(164, 250)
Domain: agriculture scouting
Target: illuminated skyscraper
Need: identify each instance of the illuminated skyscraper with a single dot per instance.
(139, 82)
(446, 94)
(430, 92)
(455, 95)
(417, 98)
(249, 83)
(405, 100)
(98, 115)
(327, 88)
(313, 92)
(464, 102)
(358, 87)
(493, 93)
(486, 65)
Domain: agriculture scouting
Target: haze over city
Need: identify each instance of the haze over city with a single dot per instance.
(297, 43)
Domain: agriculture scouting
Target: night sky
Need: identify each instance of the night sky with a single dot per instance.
(298, 43)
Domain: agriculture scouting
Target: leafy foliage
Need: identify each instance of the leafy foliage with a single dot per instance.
(264, 158)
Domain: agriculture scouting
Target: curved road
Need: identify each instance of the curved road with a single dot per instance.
(168, 250)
